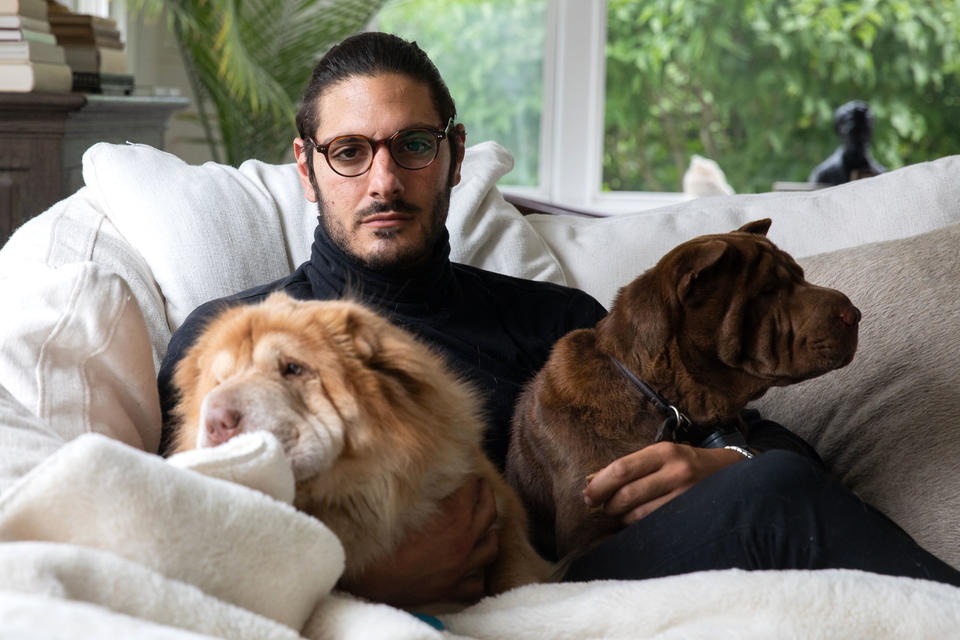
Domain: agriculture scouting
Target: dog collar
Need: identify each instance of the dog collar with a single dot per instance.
(675, 422)
(677, 425)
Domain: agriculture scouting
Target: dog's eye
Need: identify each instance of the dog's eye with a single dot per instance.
(291, 369)
(770, 289)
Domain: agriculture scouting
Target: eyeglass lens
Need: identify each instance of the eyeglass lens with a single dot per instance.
(411, 149)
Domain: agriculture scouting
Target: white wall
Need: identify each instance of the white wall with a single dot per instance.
(157, 65)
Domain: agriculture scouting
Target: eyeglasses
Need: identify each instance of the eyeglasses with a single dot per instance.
(351, 155)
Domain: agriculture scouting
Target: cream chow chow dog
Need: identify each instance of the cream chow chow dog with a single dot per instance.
(376, 428)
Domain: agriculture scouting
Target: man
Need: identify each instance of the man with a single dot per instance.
(379, 152)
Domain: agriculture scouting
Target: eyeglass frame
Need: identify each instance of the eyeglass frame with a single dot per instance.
(439, 134)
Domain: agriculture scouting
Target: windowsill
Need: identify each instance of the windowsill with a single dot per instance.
(609, 204)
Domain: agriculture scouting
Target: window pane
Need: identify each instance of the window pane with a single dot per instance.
(490, 53)
(753, 84)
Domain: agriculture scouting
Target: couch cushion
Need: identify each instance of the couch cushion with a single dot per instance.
(601, 255)
(76, 353)
(887, 423)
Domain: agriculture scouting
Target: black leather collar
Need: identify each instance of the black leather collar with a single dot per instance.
(677, 427)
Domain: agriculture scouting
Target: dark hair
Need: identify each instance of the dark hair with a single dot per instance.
(369, 54)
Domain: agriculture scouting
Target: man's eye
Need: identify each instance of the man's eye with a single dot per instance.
(347, 153)
(416, 144)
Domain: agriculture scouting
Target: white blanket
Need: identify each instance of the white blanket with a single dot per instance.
(103, 540)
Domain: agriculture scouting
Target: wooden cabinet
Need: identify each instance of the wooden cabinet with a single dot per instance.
(43, 137)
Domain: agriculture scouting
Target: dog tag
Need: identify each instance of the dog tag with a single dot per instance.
(668, 430)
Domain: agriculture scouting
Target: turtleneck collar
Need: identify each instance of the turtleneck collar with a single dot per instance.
(417, 291)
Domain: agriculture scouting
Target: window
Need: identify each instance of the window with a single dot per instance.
(491, 54)
(603, 102)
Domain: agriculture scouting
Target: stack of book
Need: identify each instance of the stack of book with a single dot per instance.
(93, 49)
(30, 59)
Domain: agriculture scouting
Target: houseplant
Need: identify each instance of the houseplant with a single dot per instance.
(248, 62)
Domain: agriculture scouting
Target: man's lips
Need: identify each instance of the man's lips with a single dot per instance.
(389, 219)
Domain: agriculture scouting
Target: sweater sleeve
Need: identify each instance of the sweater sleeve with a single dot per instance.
(763, 435)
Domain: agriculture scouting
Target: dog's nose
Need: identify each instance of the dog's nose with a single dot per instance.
(221, 423)
(850, 315)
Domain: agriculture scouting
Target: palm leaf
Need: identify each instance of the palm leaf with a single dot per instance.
(249, 61)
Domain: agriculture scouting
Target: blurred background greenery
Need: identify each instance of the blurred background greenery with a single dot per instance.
(754, 83)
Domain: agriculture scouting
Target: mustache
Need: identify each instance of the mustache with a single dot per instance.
(398, 205)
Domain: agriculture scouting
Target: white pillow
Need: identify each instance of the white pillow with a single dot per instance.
(488, 232)
(205, 231)
(601, 255)
(75, 351)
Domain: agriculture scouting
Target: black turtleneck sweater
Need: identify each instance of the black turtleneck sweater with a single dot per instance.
(494, 330)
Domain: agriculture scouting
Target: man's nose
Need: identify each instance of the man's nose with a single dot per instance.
(385, 173)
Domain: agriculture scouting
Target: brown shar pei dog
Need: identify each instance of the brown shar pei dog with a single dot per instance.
(376, 428)
(716, 323)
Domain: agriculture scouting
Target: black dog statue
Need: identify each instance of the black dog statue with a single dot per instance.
(853, 122)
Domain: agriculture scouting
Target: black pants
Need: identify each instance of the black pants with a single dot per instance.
(776, 511)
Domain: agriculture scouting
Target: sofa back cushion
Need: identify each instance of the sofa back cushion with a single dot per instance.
(600, 256)
(887, 424)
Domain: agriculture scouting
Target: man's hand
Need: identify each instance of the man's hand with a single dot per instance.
(635, 485)
(444, 561)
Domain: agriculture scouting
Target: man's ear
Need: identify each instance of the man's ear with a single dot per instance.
(300, 151)
(460, 136)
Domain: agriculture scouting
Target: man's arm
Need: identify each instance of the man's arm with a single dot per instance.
(635, 485)
(445, 561)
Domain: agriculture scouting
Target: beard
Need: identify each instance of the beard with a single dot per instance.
(394, 254)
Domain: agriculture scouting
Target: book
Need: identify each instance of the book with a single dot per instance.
(105, 83)
(81, 57)
(27, 51)
(22, 35)
(35, 76)
(20, 22)
(112, 61)
(87, 33)
(89, 40)
(92, 59)
(81, 19)
(26, 8)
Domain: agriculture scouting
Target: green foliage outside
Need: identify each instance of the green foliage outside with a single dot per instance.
(490, 53)
(753, 84)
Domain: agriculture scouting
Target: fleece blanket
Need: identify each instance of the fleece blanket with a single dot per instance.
(103, 540)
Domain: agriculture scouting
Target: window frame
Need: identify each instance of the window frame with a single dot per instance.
(573, 114)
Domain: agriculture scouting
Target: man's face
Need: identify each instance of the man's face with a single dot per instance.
(388, 217)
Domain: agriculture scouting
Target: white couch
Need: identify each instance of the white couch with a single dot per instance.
(100, 539)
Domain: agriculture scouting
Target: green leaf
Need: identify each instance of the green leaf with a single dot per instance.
(249, 61)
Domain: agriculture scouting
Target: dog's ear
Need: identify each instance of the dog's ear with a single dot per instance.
(757, 226)
(694, 263)
(358, 326)
(640, 318)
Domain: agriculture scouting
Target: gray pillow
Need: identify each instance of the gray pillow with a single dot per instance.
(888, 424)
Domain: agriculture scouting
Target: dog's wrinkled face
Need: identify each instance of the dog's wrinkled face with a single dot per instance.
(315, 374)
(736, 304)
